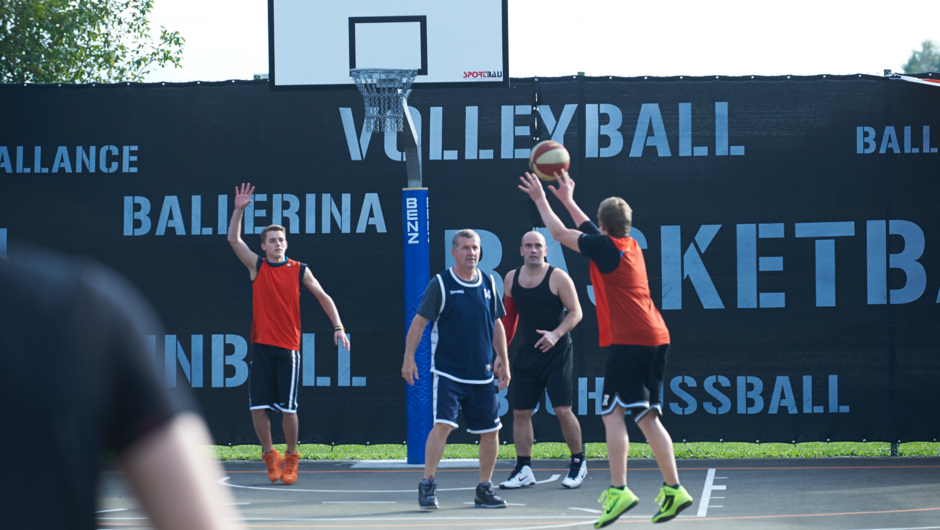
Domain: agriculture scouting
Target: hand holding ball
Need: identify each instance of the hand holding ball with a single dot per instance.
(547, 158)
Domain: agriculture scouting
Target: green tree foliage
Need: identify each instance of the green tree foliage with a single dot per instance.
(81, 41)
(926, 60)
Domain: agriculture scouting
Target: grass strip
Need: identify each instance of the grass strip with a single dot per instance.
(553, 450)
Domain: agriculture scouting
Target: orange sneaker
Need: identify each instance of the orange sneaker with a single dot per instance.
(273, 460)
(290, 468)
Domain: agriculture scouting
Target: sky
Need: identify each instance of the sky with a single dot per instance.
(228, 39)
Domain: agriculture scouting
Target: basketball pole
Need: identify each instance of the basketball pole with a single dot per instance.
(416, 237)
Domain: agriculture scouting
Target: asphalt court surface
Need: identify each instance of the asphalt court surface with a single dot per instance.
(838, 493)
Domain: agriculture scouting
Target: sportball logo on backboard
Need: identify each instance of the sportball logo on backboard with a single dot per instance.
(481, 75)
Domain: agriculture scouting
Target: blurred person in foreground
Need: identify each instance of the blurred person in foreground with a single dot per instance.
(74, 358)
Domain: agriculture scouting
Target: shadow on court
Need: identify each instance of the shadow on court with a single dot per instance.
(842, 493)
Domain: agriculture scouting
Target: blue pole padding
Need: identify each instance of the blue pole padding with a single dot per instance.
(417, 274)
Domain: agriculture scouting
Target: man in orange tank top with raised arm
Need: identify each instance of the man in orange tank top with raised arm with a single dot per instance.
(274, 371)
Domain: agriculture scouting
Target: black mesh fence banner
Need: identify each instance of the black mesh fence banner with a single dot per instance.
(790, 229)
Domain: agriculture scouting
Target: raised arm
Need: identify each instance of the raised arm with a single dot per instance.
(245, 254)
(565, 194)
(326, 302)
(532, 186)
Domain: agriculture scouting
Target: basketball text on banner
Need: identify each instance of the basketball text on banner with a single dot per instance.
(417, 274)
(789, 227)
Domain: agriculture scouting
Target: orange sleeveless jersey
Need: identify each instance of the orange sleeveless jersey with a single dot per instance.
(276, 304)
(625, 310)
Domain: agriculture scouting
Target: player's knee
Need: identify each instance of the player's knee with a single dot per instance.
(489, 436)
(615, 417)
(649, 421)
(442, 429)
(522, 414)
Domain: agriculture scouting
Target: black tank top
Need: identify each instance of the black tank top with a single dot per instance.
(538, 309)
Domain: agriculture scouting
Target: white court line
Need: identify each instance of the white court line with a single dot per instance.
(907, 528)
(266, 520)
(707, 490)
(402, 464)
(397, 520)
(540, 527)
(444, 521)
(359, 502)
(629, 515)
(507, 504)
(224, 481)
(586, 510)
(552, 478)
(112, 510)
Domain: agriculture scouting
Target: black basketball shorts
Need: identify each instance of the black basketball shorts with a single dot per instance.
(273, 378)
(535, 373)
(634, 379)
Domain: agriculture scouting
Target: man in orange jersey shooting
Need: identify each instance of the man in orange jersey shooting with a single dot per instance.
(633, 328)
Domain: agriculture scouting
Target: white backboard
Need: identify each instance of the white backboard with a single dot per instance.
(314, 43)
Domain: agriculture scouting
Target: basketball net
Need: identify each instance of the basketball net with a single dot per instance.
(384, 91)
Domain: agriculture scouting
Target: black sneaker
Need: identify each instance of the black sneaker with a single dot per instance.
(427, 500)
(486, 497)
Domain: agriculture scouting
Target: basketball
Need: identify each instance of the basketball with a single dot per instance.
(547, 158)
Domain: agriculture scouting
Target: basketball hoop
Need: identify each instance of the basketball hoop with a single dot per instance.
(384, 91)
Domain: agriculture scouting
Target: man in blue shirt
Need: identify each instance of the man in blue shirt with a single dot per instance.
(465, 309)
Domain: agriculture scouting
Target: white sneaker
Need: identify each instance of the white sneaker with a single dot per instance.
(521, 477)
(576, 473)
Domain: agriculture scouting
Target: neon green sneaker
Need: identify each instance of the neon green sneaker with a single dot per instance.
(671, 501)
(616, 502)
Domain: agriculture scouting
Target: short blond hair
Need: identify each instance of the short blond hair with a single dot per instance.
(272, 228)
(616, 216)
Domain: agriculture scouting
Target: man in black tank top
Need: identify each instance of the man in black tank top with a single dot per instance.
(539, 295)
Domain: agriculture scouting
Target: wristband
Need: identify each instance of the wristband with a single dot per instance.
(338, 328)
